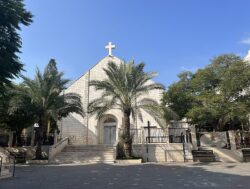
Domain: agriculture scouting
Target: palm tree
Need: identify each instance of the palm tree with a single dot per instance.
(125, 89)
(46, 94)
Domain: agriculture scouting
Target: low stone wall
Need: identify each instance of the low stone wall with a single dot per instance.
(214, 139)
(161, 152)
(223, 145)
(57, 148)
(30, 150)
(3, 155)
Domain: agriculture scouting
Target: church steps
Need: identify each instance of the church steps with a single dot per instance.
(86, 154)
(87, 148)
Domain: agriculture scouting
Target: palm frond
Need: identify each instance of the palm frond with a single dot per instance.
(125, 84)
(101, 105)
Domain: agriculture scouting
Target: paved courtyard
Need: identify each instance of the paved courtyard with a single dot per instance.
(144, 176)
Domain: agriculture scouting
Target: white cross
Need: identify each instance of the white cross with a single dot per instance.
(110, 47)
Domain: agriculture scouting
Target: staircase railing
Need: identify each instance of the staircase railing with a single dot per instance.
(58, 147)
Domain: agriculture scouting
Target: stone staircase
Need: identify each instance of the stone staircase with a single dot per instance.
(85, 154)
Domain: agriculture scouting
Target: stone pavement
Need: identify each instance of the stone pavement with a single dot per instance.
(144, 176)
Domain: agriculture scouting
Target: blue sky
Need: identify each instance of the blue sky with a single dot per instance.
(170, 36)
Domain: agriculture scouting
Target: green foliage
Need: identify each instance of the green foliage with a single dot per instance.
(17, 111)
(124, 89)
(12, 15)
(120, 145)
(46, 92)
(178, 96)
(217, 96)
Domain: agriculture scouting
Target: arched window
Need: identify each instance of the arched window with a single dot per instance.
(109, 120)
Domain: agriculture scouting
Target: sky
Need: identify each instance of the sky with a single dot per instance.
(169, 36)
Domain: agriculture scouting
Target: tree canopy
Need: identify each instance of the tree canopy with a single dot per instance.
(12, 15)
(178, 96)
(216, 96)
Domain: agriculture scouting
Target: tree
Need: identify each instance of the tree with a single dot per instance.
(178, 97)
(50, 102)
(222, 92)
(17, 111)
(216, 96)
(124, 89)
(12, 14)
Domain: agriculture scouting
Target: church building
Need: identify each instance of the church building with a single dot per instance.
(92, 131)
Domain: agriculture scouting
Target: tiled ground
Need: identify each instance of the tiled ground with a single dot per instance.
(144, 176)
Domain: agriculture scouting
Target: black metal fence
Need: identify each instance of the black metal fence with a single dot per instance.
(242, 139)
(157, 135)
(179, 135)
(136, 135)
(160, 135)
(174, 135)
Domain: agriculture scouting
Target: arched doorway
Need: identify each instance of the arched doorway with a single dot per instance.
(109, 124)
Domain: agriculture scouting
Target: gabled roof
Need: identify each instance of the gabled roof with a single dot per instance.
(107, 59)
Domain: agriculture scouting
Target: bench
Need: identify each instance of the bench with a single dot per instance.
(20, 157)
(246, 154)
(203, 155)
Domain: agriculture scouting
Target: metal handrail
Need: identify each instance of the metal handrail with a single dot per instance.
(59, 143)
(148, 139)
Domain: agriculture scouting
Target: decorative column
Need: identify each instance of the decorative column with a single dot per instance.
(193, 136)
(10, 142)
(33, 136)
(232, 139)
(55, 136)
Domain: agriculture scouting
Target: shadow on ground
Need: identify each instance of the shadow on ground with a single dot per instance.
(144, 176)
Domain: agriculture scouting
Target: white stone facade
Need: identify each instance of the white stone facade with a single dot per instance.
(89, 130)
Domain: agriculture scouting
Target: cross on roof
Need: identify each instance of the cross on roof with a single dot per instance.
(110, 47)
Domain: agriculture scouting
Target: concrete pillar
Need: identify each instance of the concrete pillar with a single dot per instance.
(10, 142)
(142, 136)
(193, 136)
(232, 139)
(55, 136)
(33, 136)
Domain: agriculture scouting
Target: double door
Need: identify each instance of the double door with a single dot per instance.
(109, 134)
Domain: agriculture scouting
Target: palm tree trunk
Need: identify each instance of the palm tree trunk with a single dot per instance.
(128, 140)
(48, 130)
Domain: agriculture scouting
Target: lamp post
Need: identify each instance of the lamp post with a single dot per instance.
(38, 140)
(36, 126)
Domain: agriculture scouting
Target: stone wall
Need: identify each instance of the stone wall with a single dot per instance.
(57, 148)
(214, 139)
(159, 152)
